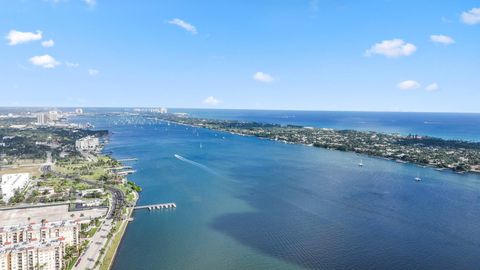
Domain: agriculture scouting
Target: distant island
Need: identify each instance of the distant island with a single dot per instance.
(457, 155)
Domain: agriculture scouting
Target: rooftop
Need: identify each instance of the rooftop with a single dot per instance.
(19, 216)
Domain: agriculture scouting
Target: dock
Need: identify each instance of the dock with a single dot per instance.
(128, 159)
(119, 168)
(156, 206)
(127, 172)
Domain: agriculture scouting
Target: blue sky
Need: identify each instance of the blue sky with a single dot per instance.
(376, 55)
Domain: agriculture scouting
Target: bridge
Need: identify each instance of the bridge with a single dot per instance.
(156, 206)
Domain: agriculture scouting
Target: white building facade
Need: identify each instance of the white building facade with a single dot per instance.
(43, 119)
(87, 144)
(11, 183)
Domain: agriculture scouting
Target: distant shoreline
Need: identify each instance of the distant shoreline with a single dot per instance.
(254, 129)
(41, 107)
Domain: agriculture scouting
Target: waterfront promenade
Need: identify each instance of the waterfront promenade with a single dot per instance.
(97, 242)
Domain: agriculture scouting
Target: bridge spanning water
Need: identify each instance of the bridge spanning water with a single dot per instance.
(151, 207)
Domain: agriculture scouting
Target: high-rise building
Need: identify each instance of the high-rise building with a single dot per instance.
(87, 144)
(37, 246)
(54, 115)
(43, 119)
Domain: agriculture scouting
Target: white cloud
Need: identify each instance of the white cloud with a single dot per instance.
(392, 48)
(45, 61)
(72, 65)
(90, 3)
(183, 24)
(442, 39)
(212, 101)
(15, 37)
(471, 17)
(263, 77)
(48, 43)
(432, 87)
(408, 85)
(93, 72)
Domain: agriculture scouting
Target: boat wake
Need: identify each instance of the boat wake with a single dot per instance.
(196, 164)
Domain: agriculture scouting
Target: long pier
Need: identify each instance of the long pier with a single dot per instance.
(156, 206)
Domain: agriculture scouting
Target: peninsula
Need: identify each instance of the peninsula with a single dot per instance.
(457, 155)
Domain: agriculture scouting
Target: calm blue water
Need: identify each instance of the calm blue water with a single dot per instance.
(246, 203)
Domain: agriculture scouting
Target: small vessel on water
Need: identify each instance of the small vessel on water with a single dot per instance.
(418, 179)
(360, 163)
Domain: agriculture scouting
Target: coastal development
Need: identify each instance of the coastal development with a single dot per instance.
(63, 205)
(460, 156)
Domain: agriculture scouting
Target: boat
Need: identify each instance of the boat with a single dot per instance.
(418, 179)
(360, 163)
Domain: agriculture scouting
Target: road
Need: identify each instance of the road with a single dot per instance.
(118, 199)
(97, 242)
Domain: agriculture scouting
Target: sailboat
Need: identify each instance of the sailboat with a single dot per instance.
(360, 163)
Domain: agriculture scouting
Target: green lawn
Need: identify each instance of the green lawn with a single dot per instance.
(92, 231)
(113, 245)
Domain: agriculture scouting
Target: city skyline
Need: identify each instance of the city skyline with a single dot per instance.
(294, 55)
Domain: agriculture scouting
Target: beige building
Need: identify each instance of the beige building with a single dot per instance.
(87, 144)
(45, 256)
(37, 246)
